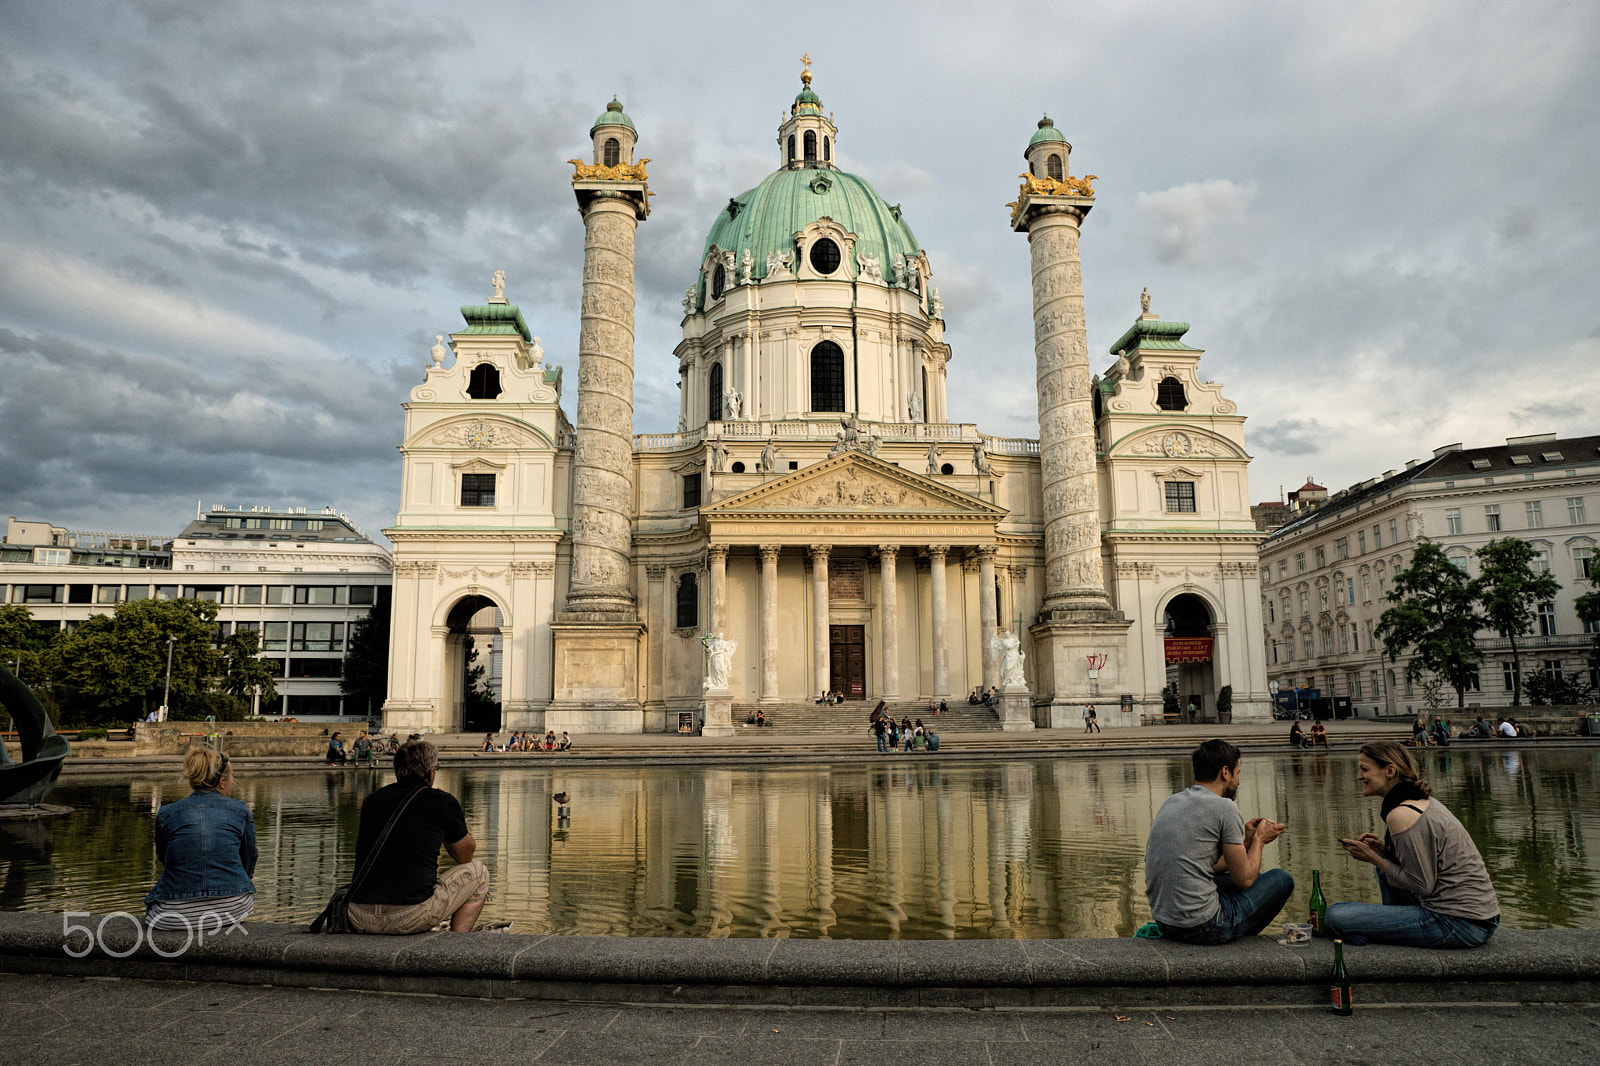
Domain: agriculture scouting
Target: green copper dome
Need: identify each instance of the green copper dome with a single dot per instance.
(806, 102)
(769, 215)
(1047, 132)
(612, 116)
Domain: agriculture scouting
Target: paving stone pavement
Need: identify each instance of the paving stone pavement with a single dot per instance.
(61, 1021)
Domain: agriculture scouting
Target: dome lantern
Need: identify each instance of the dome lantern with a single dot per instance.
(807, 138)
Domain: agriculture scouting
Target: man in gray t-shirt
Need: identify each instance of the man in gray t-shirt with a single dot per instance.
(1202, 862)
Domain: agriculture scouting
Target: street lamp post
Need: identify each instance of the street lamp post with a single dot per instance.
(166, 691)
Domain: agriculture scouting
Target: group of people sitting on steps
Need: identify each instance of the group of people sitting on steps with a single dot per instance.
(525, 741)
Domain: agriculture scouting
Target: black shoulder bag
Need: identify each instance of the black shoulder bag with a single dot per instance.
(335, 917)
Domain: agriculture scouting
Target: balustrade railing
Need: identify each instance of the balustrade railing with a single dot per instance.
(827, 429)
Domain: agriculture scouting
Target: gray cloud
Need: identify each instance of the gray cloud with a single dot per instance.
(230, 231)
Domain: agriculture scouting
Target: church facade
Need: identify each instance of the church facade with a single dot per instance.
(821, 519)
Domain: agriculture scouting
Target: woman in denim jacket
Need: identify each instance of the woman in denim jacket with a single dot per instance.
(207, 847)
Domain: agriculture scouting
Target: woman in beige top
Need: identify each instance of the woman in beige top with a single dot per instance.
(1436, 890)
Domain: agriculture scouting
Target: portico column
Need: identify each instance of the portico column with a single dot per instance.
(988, 614)
(936, 594)
(717, 601)
(889, 630)
(819, 611)
(769, 623)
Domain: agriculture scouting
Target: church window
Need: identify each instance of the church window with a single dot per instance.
(737, 468)
(1180, 497)
(825, 258)
(484, 384)
(811, 147)
(827, 374)
(714, 394)
(827, 149)
(946, 468)
(612, 153)
(477, 490)
(791, 148)
(688, 602)
(691, 490)
(719, 281)
(1169, 395)
(1052, 166)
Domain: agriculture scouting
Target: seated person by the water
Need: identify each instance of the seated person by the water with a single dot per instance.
(1297, 736)
(566, 742)
(1202, 862)
(404, 892)
(488, 742)
(1480, 729)
(362, 747)
(336, 755)
(761, 718)
(550, 740)
(1319, 734)
(1507, 728)
(1441, 732)
(1435, 888)
(206, 843)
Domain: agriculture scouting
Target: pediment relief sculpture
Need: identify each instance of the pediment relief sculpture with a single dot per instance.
(854, 482)
(480, 432)
(1173, 443)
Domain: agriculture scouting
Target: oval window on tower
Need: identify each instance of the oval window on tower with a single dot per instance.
(825, 256)
(719, 280)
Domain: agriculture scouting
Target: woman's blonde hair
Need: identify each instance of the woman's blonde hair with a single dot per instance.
(1383, 753)
(204, 768)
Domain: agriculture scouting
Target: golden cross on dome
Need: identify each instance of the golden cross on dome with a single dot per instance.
(805, 75)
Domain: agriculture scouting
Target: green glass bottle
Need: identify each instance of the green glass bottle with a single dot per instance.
(1339, 982)
(1319, 906)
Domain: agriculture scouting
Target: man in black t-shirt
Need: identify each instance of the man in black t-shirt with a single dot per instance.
(404, 891)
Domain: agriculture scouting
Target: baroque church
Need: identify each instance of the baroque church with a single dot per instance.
(821, 520)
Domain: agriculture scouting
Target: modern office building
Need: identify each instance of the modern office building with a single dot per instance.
(1326, 572)
(301, 578)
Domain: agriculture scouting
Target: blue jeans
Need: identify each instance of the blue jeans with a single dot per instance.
(1245, 912)
(1400, 919)
(883, 742)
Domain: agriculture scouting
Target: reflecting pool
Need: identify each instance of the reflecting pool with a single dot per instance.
(907, 848)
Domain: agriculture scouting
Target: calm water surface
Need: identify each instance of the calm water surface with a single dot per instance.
(901, 849)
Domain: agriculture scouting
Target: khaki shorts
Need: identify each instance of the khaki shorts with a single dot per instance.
(455, 888)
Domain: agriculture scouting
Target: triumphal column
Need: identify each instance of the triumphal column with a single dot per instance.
(1076, 618)
(598, 637)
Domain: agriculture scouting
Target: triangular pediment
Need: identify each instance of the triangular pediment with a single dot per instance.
(854, 484)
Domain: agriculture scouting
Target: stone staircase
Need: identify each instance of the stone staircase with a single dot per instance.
(814, 719)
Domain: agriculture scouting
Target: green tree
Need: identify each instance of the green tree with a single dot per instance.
(115, 666)
(244, 674)
(365, 674)
(21, 642)
(478, 704)
(1509, 591)
(1433, 615)
(1588, 607)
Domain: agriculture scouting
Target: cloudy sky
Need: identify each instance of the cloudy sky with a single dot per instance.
(229, 230)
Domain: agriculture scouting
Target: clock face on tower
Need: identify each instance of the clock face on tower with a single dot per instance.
(1176, 445)
(480, 435)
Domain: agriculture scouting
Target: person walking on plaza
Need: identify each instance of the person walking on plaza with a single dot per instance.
(406, 823)
(206, 843)
(1435, 888)
(1202, 861)
(1090, 723)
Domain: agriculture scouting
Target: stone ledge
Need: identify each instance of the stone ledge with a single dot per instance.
(1516, 965)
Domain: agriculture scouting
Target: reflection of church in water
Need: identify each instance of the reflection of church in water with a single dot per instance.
(818, 506)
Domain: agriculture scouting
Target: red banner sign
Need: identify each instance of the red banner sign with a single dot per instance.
(1188, 649)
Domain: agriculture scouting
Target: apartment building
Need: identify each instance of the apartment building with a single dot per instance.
(1326, 572)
